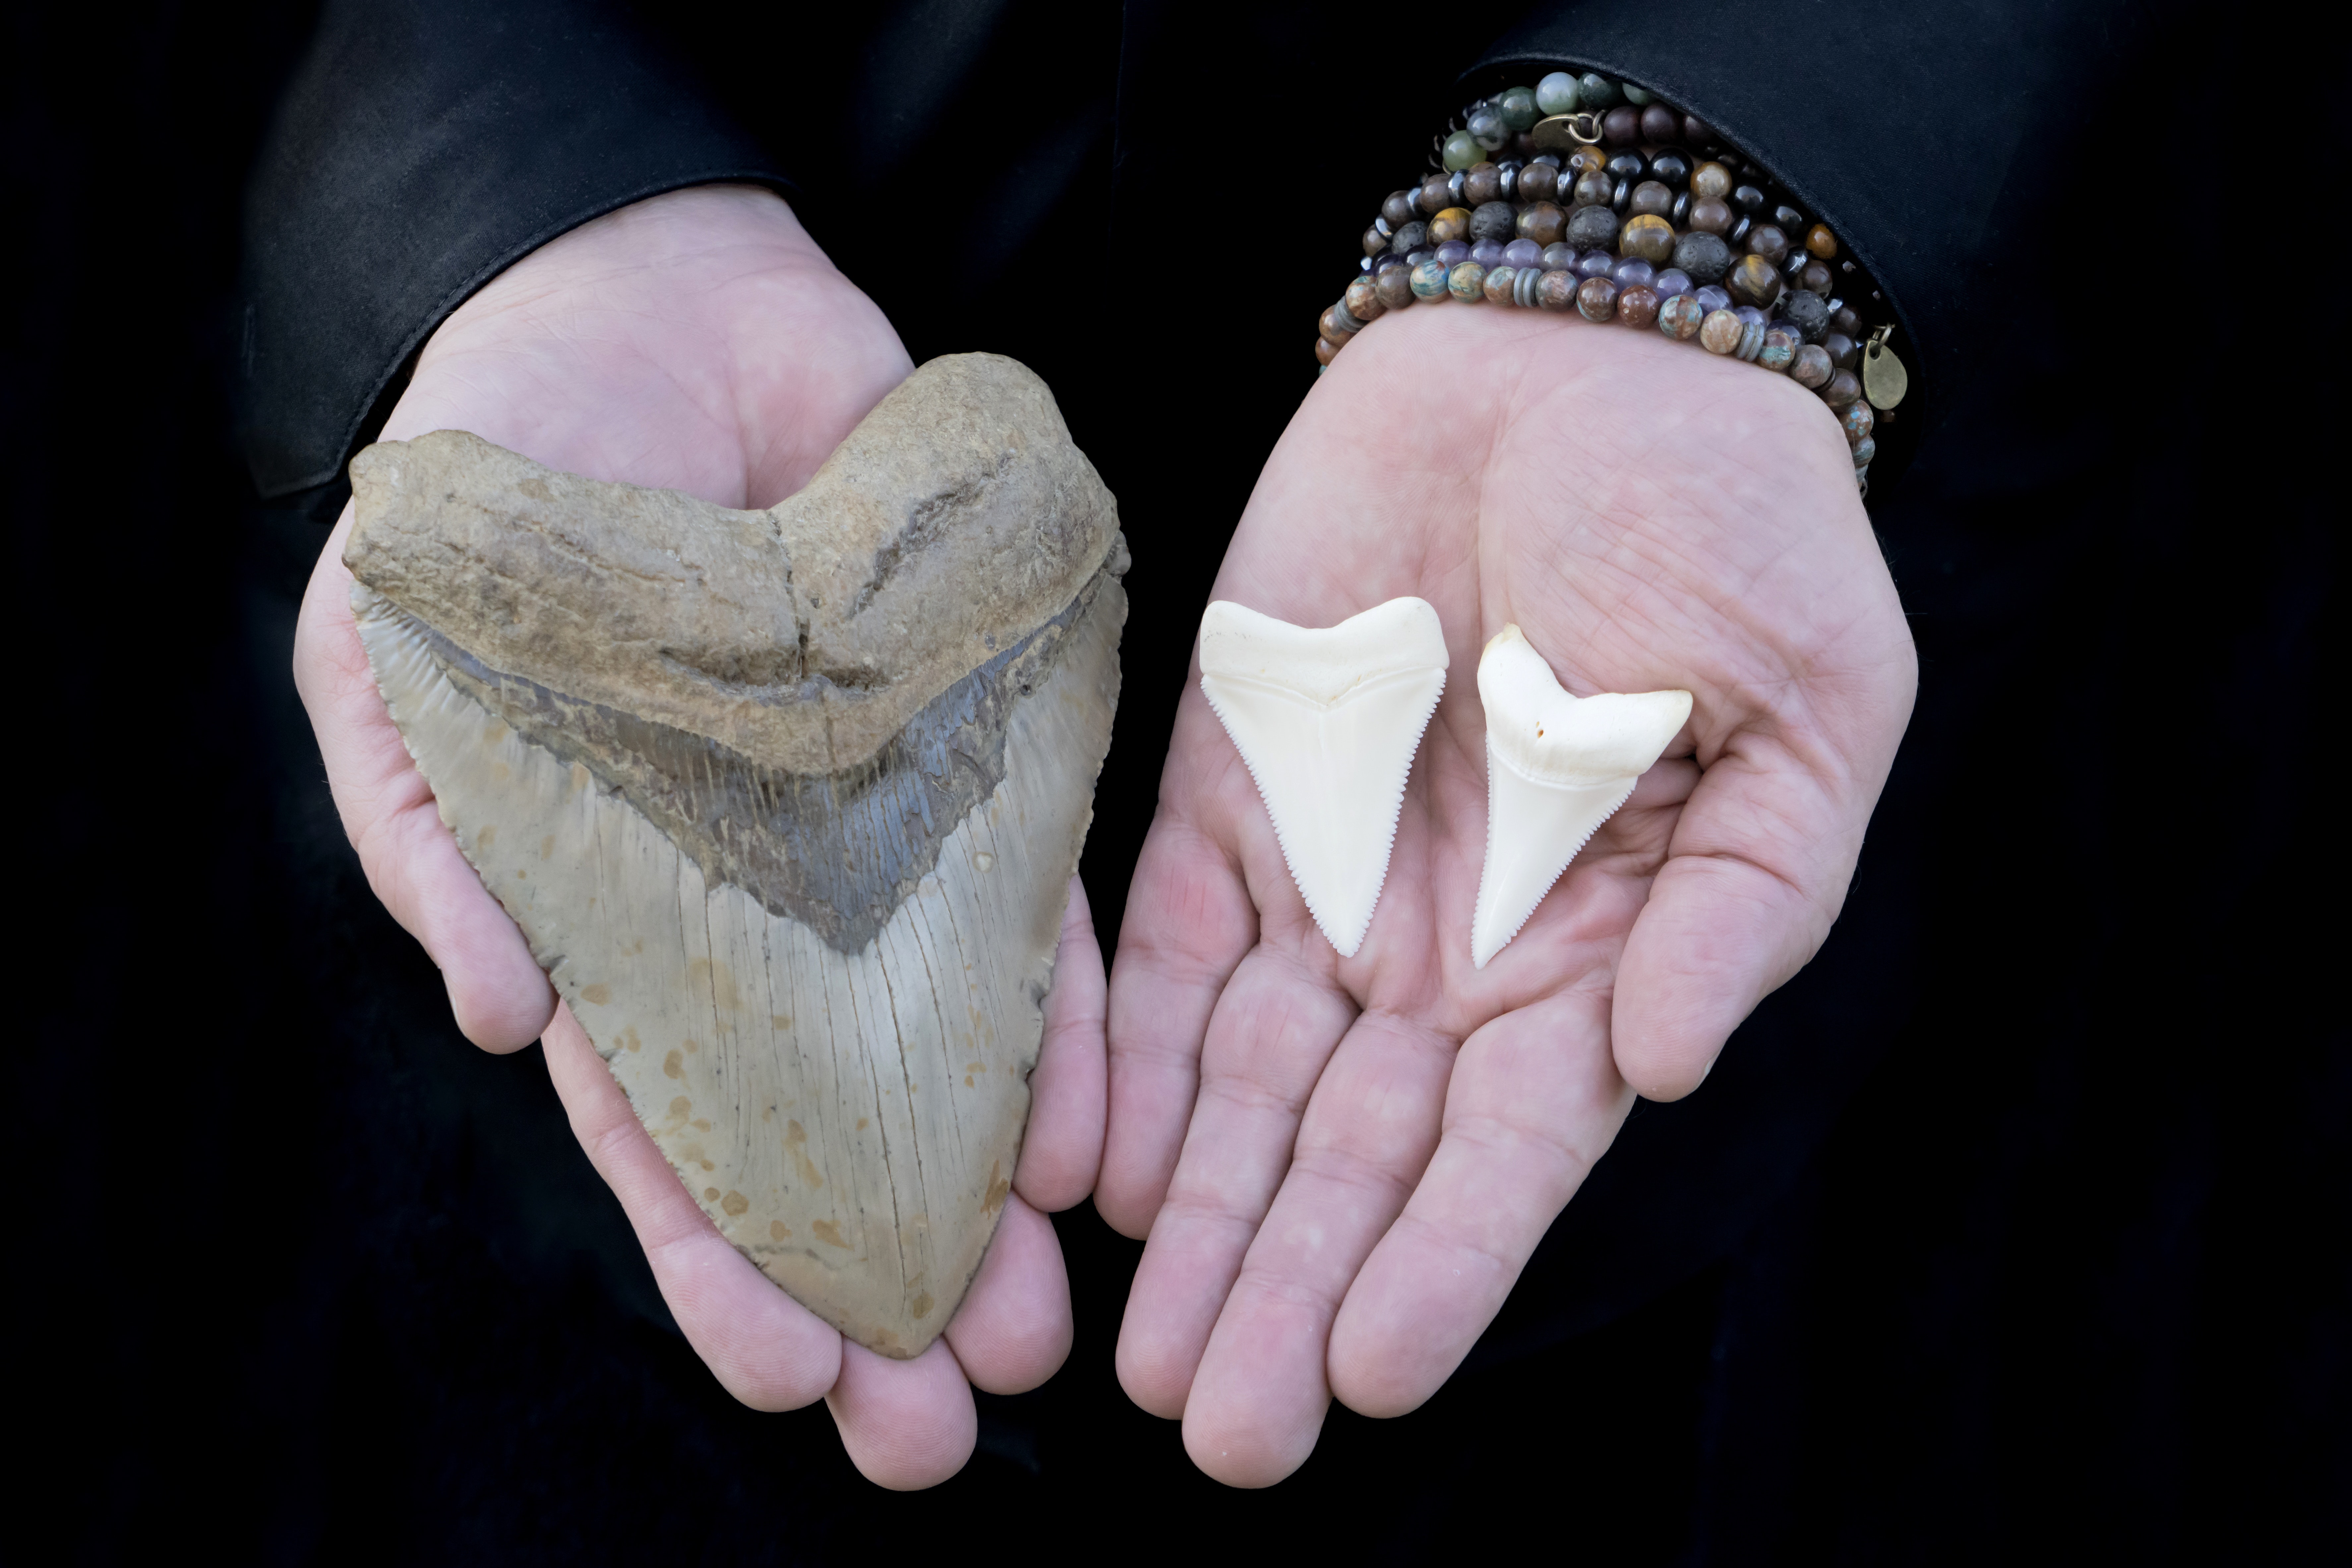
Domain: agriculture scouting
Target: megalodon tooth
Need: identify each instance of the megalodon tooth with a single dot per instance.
(1556, 768)
(1327, 721)
(786, 801)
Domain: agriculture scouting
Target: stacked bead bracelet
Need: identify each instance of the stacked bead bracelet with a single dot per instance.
(1586, 194)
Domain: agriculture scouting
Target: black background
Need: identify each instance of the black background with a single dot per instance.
(2041, 1247)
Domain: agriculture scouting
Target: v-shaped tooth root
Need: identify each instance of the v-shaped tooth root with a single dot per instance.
(1556, 768)
(1328, 721)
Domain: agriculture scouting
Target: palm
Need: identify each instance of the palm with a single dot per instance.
(697, 341)
(1343, 1164)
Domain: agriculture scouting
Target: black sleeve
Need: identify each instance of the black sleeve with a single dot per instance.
(422, 146)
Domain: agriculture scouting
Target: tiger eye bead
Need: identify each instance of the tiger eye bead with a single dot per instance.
(1622, 126)
(1394, 287)
(1363, 300)
(1325, 351)
(1710, 180)
(1647, 237)
(1557, 290)
(1638, 306)
(1596, 299)
(1822, 242)
(1711, 215)
(1539, 183)
(1659, 124)
(1720, 332)
(1753, 282)
(1453, 223)
(1429, 279)
(1482, 183)
(1542, 222)
(1467, 282)
(1841, 389)
(1842, 351)
(1811, 367)
(1651, 199)
(1679, 318)
(1857, 420)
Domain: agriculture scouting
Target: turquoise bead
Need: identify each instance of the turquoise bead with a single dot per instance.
(1555, 94)
(1429, 280)
(1461, 150)
(1636, 96)
(1518, 108)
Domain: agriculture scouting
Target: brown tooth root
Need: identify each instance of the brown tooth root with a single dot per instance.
(844, 755)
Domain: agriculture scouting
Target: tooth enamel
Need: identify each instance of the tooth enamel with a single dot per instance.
(1556, 768)
(1328, 721)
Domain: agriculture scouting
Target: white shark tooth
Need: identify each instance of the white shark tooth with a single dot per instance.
(1556, 768)
(786, 801)
(1328, 721)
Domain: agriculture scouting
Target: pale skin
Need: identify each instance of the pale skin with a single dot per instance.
(1343, 1165)
(698, 342)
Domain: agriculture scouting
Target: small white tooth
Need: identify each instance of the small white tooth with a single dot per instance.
(1556, 768)
(1328, 721)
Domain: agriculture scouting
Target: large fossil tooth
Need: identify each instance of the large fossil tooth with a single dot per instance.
(1556, 768)
(1327, 721)
(786, 801)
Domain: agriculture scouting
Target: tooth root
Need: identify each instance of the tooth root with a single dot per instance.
(1558, 767)
(1327, 721)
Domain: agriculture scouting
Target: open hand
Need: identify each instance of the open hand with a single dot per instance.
(698, 342)
(1342, 1164)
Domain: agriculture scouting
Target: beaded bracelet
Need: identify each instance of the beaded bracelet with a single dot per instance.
(1597, 204)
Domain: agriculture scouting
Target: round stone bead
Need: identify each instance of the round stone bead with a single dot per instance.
(1595, 264)
(1711, 298)
(1632, 272)
(1817, 277)
(1452, 253)
(1636, 96)
(1625, 167)
(1560, 257)
(1811, 367)
(1487, 253)
(1334, 325)
(1374, 241)
(1486, 128)
(1808, 312)
(1637, 306)
(1467, 282)
(1845, 319)
(1779, 350)
(1591, 228)
(1557, 291)
(1671, 169)
(1766, 241)
(1452, 223)
(1523, 253)
(1822, 242)
(1587, 160)
(1539, 183)
(1749, 198)
(1844, 353)
(1697, 133)
(1701, 254)
(1429, 279)
(1394, 287)
(1594, 189)
(1659, 124)
(1651, 199)
(1673, 281)
(1413, 236)
(1542, 222)
(1711, 215)
(1596, 299)
(1461, 150)
(1400, 209)
(1679, 318)
(1555, 94)
(1710, 180)
(1481, 183)
(1864, 450)
(1518, 107)
(1753, 282)
(1493, 220)
(1325, 351)
(1648, 237)
(1841, 389)
(1720, 332)
(1791, 220)
(1595, 93)
(1500, 281)
(1437, 194)
(1858, 421)
(1622, 126)
(1383, 263)
(1363, 300)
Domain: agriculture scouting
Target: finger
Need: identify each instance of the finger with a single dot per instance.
(1062, 1148)
(765, 1348)
(1258, 1400)
(1273, 1028)
(500, 996)
(1012, 1330)
(1534, 1100)
(1190, 919)
(1757, 871)
(906, 1424)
